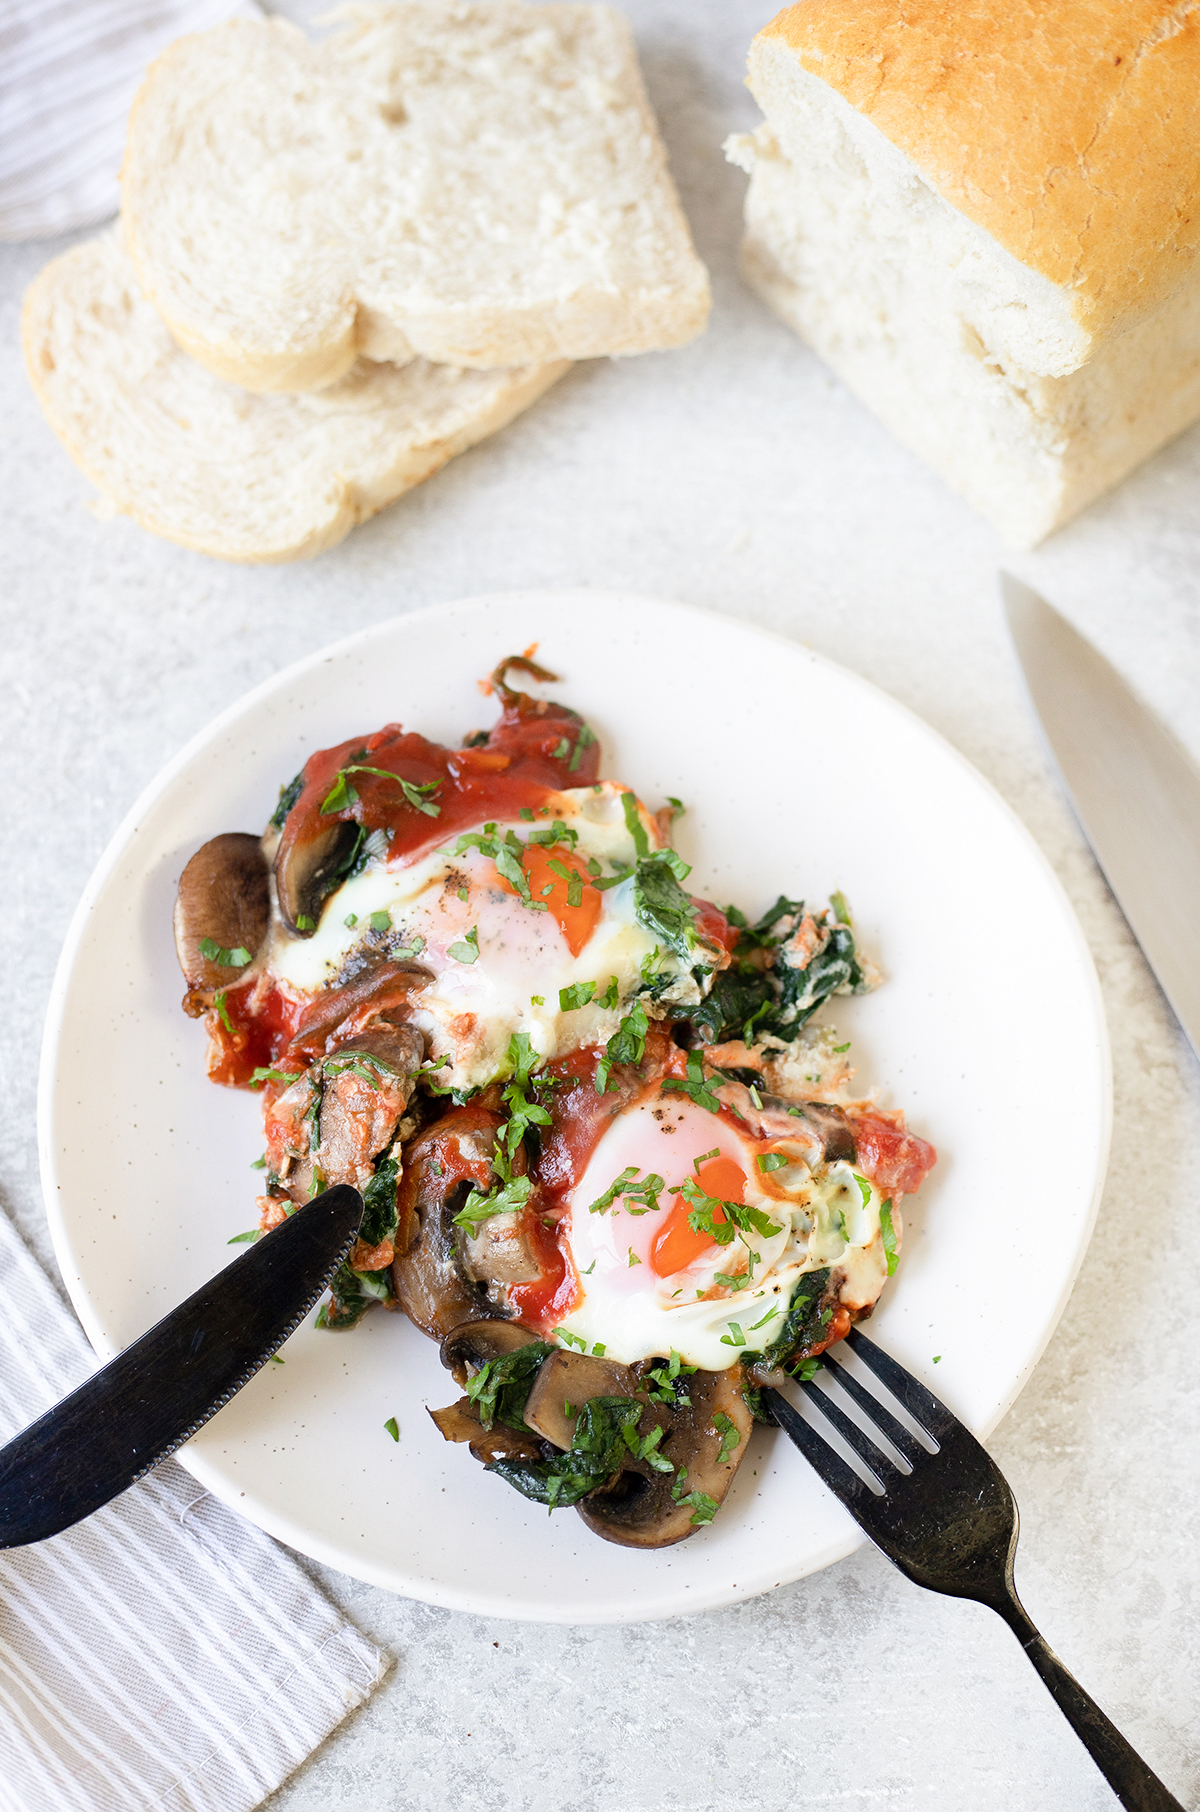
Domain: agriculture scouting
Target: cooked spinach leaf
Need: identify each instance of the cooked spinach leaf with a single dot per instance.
(606, 1432)
(661, 904)
(805, 1324)
(288, 796)
(758, 994)
(500, 1389)
(379, 1203)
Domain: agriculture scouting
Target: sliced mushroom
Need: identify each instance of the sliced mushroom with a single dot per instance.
(460, 1422)
(474, 1344)
(224, 900)
(827, 1123)
(574, 1378)
(822, 1123)
(466, 1350)
(330, 1125)
(502, 1250)
(440, 1168)
(638, 1508)
(310, 861)
(366, 1086)
(382, 992)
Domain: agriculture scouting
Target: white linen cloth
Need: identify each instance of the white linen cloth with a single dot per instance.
(69, 70)
(163, 1653)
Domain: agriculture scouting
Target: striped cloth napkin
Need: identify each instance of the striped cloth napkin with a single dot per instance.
(69, 70)
(163, 1653)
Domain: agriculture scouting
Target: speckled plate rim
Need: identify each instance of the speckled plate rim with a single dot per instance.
(293, 1530)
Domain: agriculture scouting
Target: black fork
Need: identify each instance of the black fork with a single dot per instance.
(951, 1525)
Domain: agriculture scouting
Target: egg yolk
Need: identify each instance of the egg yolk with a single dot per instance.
(677, 1244)
(553, 877)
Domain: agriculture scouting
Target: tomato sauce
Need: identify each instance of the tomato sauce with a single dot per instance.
(895, 1160)
(263, 1015)
(535, 750)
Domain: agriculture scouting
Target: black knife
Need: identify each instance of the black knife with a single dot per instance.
(154, 1396)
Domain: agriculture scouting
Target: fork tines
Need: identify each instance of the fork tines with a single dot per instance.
(841, 1478)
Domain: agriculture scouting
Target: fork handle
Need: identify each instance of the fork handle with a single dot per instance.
(1135, 1785)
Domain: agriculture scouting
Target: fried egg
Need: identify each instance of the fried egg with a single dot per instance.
(498, 967)
(652, 1284)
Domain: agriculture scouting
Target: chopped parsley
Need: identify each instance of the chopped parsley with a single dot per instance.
(646, 1192)
(730, 1438)
(606, 1432)
(888, 1230)
(343, 794)
(467, 949)
(734, 1337)
(480, 1206)
(771, 1160)
(223, 1011)
(212, 952)
(577, 995)
(695, 1087)
(627, 1045)
(668, 1384)
(244, 1239)
(381, 921)
(736, 1217)
(392, 1427)
(267, 1074)
(704, 1508)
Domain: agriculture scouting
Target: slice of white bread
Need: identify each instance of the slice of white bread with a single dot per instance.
(987, 222)
(480, 184)
(204, 463)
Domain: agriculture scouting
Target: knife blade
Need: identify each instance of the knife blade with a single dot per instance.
(1134, 790)
(154, 1396)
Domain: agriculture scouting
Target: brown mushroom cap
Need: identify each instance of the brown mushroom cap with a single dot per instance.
(460, 1422)
(827, 1122)
(474, 1344)
(308, 867)
(383, 990)
(637, 1508)
(573, 1378)
(224, 896)
(433, 1285)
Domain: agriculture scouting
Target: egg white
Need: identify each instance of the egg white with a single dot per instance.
(472, 1009)
(825, 1219)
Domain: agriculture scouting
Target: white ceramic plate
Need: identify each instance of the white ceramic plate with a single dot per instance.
(799, 777)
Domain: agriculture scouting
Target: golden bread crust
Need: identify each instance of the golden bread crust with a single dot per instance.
(1068, 131)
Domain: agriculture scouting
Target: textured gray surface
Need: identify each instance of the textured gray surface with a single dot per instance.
(736, 474)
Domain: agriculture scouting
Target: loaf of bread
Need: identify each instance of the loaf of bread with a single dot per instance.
(986, 219)
(478, 182)
(244, 477)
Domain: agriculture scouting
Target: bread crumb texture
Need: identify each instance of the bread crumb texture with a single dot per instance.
(480, 184)
(1068, 131)
(206, 463)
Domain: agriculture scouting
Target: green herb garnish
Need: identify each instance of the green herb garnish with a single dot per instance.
(888, 1230)
(212, 952)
